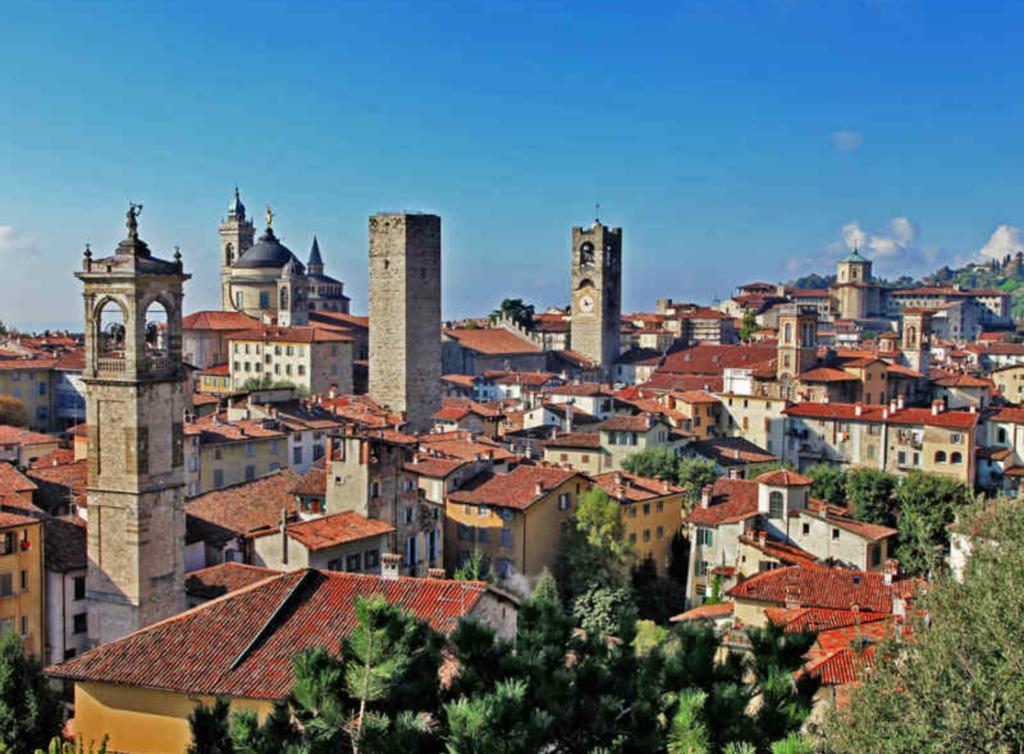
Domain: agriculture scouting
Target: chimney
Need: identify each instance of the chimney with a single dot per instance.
(792, 596)
(736, 472)
(973, 408)
(329, 450)
(892, 406)
(568, 414)
(538, 489)
(389, 563)
(885, 413)
(762, 538)
(858, 410)
(284, 536)
(890, 570)
(936, 408)
(705, 495)
(617, 478)
(436, 573)
(900, 402)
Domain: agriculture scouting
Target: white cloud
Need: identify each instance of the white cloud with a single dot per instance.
(895, 241)
(847, 141)
(12, 241)
(1005, 239)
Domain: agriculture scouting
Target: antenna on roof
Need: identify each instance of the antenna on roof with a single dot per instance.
(597, 212)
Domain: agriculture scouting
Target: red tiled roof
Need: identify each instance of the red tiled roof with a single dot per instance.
(13, 480)
(218, 320)
(57, 457)
(961, 380)
(731, 500)
(632, 488)
(816, 619)
(705, 612)
(216, 429)
(61, 484)
(436, 468)
(491, 341)
(313, 482)
(786, 553)
(463, 446)
(694, 397)
(835, 588)
(840, 517)
(222, 578)
(243, 508)
(336, 529)
(848, 412)
(827, 374)
(20, 436)
(584, 390)
(637, 423)
(241, 645)
(731, 451)
(575, 440)
(295, 334)
(530, 379)
(666, 382)
(515, 489)
(218, 369)
(785, 478)
(712, 359)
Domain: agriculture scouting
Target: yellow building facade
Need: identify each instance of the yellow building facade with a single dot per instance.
(22, 602)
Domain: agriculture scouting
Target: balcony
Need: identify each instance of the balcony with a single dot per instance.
(111, 365)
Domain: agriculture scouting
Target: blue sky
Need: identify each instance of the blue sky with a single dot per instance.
(731, 140)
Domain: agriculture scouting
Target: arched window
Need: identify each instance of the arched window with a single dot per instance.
(587, 254)
(110, 332)
(156, 328)
(911, 338)
(1001, 436)
(229, 254)
(940, 456)
(284, 299)
(956, 458)
(788, 333)
(776, 504)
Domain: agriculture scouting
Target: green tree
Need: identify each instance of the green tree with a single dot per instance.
(688, 734)
(504, 721)
(749, 326)
(655, 463)
(927, 504)
(870, 493)
(829, 483)
(474, 568)
(30, 711)
(12, 412)
(957, 685)
(595, 551)
(211, 728)
(59, 746)
(606, 611)
(694, 474)
(516, 310)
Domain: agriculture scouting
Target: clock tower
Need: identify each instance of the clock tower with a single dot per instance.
(596, 294)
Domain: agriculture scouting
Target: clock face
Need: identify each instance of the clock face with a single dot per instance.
(586, 303)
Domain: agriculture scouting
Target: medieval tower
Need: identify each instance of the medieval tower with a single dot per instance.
(135, 403)
(236, 234)
(798, 341)
(405, 315)
(596, 293)
(917, 339)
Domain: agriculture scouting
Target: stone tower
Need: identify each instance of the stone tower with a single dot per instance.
(135, 401)
(596, 293)
(292, 296)
(405, 315)
(917, 339)
(798, 341)
(236, 234)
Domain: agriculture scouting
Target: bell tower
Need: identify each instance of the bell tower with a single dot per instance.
(292, 296)
(917, 339)
(798, 341)
(596, 294)
(236, 234)
(135, 401)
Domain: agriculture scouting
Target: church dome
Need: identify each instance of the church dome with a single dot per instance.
(268, 252)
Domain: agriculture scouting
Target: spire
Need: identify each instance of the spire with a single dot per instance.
(315, 265)
(236, 209)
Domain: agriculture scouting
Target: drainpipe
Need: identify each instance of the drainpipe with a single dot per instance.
(284, 536)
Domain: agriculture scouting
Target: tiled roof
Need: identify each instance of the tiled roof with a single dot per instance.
(216, 429)
(731, 451)
(65, 547)
(56, 457)
(20, 364)
(575, 358)
(454, 409)
(13, 480)
(786, 553)
(705, 612)
(491, 341)
(712, 359)
(241, 645)
(61, 484)
(218, 320)
(313, 482)
(827, 374)
(515, 489)
(731, 500)
(694, 397)
(20, 436)
(848, 412)
(632, 488)
(583, 390)
(435, 468)
(960, 380)
(841, 517)
(463, 446)
(636, 423)
(785, 478)
(336, 529)
(462, 380)
(666, 382)
(816, 619)
(242, 508)
(836, 588)
(295, 334)
(217, 580)
(575, 440)
(530, 379)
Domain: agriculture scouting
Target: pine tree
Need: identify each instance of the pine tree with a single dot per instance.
(210, 726)
(30, 712)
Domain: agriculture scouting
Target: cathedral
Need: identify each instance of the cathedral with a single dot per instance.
(265, 279)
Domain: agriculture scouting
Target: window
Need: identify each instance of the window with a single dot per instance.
(274, 446)
(647, 535)
(371, 558)
(563, 501)
(250, 473)
(80, 623)
(411, 554)
(354, 562)
(876, 555)
(482, 510)
(647, 509)
(702, 568)
(632, 511)
(42, 388)
(776, 504)
(901, 458)
(8, 543)
(24, 580)
(705, 536)
(264, 300)
(334, 565)
(297, 455)
(1001, 436)
(505, 537)
(940, 456)
(806, 529)
(79, 587)
(482, 535)
(250, 449)
(955, 438)
(218, 477)
(661, 532)
(660, 507)
(408, 515)
(835, 534)
(375, 489)
(465, 533)
(24, 626)
(956, 458)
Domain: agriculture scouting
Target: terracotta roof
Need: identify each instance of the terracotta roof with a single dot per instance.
(530, 379)
(216, 429)
(637, 423)
(218, 369)
(462, 380)
(515, 489)
(842, 518)
(694, 397)
(583, 389)
(835, 588)
(313, 482)
(241, 645)
(816, 619)
(731, 500)
(827, 374)
(61, 484)
(902, 371)
(455, 409)
(575, 358)
(13, 480)
(19, 364)
(218, 320)
(712, 359)
(56, 457)
(463, 446)
(665, 382)
(65, 547)
(705, 612)
(436, 468)
(217, 580)
(331, 531)
(1011, 415)
(491, 341)
(782, 551)
(961, 380)
(785, 478)
(632, 488)
(575, 440)
(20, 436)
(848, 412)
(242, 508)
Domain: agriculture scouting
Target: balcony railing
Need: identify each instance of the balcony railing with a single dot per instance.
(111, 365)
